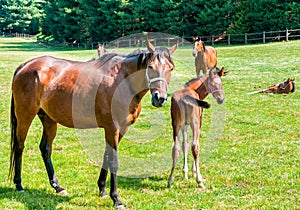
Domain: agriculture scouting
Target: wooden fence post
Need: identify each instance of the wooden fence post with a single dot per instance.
(246, 41)
(286, 35)
(264, 37)
(228, 39)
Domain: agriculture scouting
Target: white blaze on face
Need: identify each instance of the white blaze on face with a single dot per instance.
(162, 60)
(218, 80)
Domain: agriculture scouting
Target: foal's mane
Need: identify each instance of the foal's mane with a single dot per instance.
(195, 82)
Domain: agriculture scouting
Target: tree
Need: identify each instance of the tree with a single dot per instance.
(21, 16)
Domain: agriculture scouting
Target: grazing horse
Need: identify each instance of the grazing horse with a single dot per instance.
(185, 111)
(104, 93)
(205, 56)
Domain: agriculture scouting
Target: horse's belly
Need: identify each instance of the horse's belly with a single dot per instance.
(71, 111)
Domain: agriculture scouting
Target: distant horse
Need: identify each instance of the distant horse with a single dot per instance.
(185, 111)
(285, 87)
(101, 50)
(104, 93)
(205, 56)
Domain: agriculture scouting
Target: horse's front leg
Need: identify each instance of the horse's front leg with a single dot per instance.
(111, 163)
(103, 176)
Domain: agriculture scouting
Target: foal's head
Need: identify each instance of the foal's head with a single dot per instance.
(214, 84)
(198, 46)
(158, 72)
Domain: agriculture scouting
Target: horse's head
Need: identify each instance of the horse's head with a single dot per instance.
(198, 46)
(158, 72)
(287, 86)
(101, 50)
(214, 84)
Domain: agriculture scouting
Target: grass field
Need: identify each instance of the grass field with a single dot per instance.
(250, 145)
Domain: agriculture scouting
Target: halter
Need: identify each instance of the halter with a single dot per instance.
(155, 79)
(212, 91)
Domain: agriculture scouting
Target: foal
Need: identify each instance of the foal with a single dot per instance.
(205, 56)
(185, 111)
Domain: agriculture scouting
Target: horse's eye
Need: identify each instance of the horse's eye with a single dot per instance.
(172, 69)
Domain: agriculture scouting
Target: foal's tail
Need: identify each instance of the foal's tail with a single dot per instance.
(13, 141)
(195, 102)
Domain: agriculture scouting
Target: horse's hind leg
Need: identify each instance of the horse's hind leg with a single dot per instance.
(195, 150)
(49, 132)
(185, 149)
(20, 123)
(175, 154)
(17, 150)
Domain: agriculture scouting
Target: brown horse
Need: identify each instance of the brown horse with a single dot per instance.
(101, 50)
(185, 111)
(205, 56)
(103, 93)
(285, 87)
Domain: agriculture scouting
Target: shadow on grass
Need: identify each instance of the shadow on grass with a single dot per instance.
(33, 198)
(149, 183)
(30, 46)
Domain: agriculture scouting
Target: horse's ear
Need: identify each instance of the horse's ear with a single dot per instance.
(221, 72)
(172, 49)
(194, 39)
(150, 47)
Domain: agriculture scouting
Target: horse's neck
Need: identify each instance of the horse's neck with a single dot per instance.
(202, 89)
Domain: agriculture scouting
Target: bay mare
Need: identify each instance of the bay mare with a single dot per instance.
(186, 110)
(104, 93)
(205, 56)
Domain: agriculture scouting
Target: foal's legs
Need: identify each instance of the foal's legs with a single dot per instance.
(175, 154)
(195, 151)
(185, 149)
(49, 133)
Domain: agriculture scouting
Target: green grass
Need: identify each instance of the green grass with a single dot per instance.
(253, 164)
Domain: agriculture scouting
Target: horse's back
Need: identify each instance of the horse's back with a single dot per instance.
(181, 112)
(211, 56)
(55, 85)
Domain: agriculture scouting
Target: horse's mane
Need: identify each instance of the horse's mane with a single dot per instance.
(141, 55)
(195, 82)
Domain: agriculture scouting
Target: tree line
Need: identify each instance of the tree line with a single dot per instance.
(99, 20)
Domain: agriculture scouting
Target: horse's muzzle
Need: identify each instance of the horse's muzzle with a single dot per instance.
(220, 100)
(158, 100)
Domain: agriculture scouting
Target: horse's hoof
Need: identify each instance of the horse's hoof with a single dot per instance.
(21, 191)
(103, 194)
(201, 185)
(120, 206)
(63, 192)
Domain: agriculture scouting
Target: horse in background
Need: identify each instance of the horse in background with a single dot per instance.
(285, 87)
(205, 56)
(186, 109)
(104, 93)
(101, 50)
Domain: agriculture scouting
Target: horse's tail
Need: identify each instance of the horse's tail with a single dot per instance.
(13, 141)
(195, 102)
